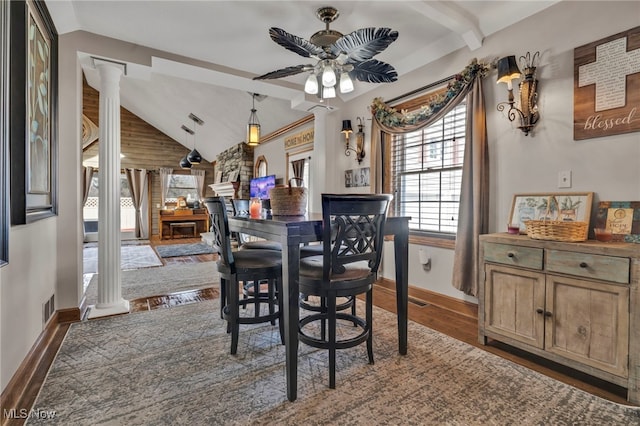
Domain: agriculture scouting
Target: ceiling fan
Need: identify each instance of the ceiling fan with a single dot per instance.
(341, 58)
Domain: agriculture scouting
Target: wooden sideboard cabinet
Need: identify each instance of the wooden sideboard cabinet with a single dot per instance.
(199, 218)
(574, 303)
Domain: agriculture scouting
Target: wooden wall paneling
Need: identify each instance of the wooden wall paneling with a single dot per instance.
(143, 147)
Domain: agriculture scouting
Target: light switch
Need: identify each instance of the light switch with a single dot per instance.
(564, 179)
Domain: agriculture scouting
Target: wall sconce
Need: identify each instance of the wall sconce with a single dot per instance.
(347, 130)
(526, 109)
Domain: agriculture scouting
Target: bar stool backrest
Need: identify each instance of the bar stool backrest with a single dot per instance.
(354, 223)
(220, 228)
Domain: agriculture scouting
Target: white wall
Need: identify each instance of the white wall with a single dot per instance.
(274, 152)
(608, 166)
(28, 281)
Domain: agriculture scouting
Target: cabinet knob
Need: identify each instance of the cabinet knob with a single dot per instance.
(511, 254)
(547, 314)
(583, 264)
(540, 311)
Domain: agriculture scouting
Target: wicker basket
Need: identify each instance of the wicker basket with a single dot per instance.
(556, 230)
(288, 200)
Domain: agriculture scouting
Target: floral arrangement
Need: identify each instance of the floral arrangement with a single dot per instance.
(390, 117)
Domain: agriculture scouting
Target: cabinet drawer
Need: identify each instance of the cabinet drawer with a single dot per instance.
(508, 254)
(606, 268)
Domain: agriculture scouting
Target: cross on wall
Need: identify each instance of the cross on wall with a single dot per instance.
(609, 73)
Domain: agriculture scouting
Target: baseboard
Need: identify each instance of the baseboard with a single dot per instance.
(458, 306)
(22, 389)
(69, 315)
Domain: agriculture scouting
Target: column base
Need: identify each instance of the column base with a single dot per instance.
(121, 307)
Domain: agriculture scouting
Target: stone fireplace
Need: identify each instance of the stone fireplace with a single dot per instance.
(238, 158)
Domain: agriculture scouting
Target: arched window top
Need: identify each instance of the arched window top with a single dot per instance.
(260, 168)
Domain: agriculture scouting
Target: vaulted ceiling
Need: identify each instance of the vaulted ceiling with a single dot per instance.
(232, 38)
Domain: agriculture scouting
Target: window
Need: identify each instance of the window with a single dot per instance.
(426, 174)
(182, 186)
(127, 211)
(260, 167)
(306, 174)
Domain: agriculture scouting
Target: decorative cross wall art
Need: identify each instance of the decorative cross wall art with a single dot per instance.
(606, 90)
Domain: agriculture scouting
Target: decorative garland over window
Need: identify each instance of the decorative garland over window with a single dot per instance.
(390, 117)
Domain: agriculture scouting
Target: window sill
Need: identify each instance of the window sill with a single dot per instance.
(430, 241)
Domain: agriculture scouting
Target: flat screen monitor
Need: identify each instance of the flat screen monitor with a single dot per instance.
(259, 187)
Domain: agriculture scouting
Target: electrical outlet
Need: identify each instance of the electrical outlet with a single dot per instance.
(564, 179)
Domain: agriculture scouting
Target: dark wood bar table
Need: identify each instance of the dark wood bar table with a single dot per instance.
(291, 231)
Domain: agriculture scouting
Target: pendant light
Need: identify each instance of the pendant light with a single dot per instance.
(185, 163)
(253, 127)
(194, 156)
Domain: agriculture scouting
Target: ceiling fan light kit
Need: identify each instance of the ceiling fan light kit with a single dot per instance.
(340, 58)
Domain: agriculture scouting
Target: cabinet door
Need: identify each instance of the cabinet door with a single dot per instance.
(588, 323)
(512, 297)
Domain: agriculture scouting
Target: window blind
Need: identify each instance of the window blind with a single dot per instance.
(426, 173)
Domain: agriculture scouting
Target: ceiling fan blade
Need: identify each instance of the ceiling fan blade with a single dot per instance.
(364, 44)
(374, 71)
(284, 72)
(294, 43)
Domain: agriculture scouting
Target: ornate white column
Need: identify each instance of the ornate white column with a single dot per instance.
(110, 301)
(318, 172)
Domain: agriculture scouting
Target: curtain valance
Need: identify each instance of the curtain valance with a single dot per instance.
(394, 122)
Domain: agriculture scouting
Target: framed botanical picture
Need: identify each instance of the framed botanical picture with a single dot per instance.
(562, 206)
(33, 97)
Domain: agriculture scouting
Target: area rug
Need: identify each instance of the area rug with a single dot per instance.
(122, 243)
(175, 250)
(131, 257)
(172, 366)
(168, 279)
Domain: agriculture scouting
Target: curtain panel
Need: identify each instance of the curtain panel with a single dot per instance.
(87, 175)
(473, 216)
(165, 174)
(298, 171)
(137, 179)
(199, 174)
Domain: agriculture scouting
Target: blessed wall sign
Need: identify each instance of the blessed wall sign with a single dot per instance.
(606, 89)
